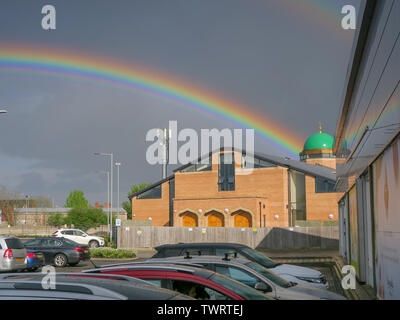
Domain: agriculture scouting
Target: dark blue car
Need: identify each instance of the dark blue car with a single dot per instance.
(34, 260)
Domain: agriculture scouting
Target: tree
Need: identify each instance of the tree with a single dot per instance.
(127, 205)
(43, 202)
(85, 218)
(76, 199)
(8, 201)
(56, 220)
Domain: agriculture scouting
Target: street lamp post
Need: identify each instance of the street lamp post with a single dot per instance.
(26, 208)
(118, 164)
(3, 111)
(108, 199)
(111, 183)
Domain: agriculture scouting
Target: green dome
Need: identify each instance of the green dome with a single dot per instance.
(319, 140)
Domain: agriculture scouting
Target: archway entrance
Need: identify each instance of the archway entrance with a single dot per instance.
(189, 219)
(215, 219)
(242, 219)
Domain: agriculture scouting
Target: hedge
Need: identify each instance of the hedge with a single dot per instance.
(111, 253)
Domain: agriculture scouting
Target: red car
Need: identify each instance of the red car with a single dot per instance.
(195, 282)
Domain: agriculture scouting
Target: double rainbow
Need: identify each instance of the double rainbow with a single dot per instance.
(78, 65)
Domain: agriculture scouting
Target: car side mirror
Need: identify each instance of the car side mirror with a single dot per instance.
(262, 286)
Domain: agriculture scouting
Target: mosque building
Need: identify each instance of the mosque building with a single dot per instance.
(240, 190)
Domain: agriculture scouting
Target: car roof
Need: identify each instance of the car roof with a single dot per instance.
(200, 244)
(202, 259)
(123, 286)
(145, 265)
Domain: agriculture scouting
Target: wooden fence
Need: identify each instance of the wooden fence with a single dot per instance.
(268, 238)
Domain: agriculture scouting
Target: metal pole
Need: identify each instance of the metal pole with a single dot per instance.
(108, 199)
(26, 212)
(111, 184)
(108, 202)
(118, 165)
(111, 196)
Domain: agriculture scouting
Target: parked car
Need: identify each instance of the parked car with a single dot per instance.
(12, 254)
(197, 282)
(292, 273)
(254, 275)
(59, 251)
(78, 286)
(80, 237)
(34, 260)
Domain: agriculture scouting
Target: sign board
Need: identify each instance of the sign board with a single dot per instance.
(117, 222)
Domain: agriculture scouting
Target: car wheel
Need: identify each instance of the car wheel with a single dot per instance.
(93, 244)
(60, 260)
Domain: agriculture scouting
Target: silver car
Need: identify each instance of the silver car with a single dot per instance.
(254, 275)
(12, 254)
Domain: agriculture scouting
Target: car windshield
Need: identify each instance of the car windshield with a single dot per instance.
(269, 275)
(260, 258)
(242, 290)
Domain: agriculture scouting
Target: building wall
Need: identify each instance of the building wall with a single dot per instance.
(199, 190)
(320, 205)
(327, 162)
(260, 194)
(156, 209)
(234, 206)
(386, 189)
(368, 126)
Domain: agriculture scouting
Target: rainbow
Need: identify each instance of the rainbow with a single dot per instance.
(78, 65)
(325, 14)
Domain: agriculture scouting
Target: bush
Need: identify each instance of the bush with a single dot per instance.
(56, 220)
(110, 253)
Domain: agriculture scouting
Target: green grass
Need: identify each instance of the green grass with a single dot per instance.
(111, 253)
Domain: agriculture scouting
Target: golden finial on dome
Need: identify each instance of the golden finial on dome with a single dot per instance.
(320, 127)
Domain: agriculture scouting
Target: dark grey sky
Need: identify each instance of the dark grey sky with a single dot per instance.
(285, 59)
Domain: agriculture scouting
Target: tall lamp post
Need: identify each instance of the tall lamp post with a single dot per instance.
(118, 165)
(111, 183)
(108, 198)
(26, 208)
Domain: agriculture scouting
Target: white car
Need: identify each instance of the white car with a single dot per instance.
(80, 237)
